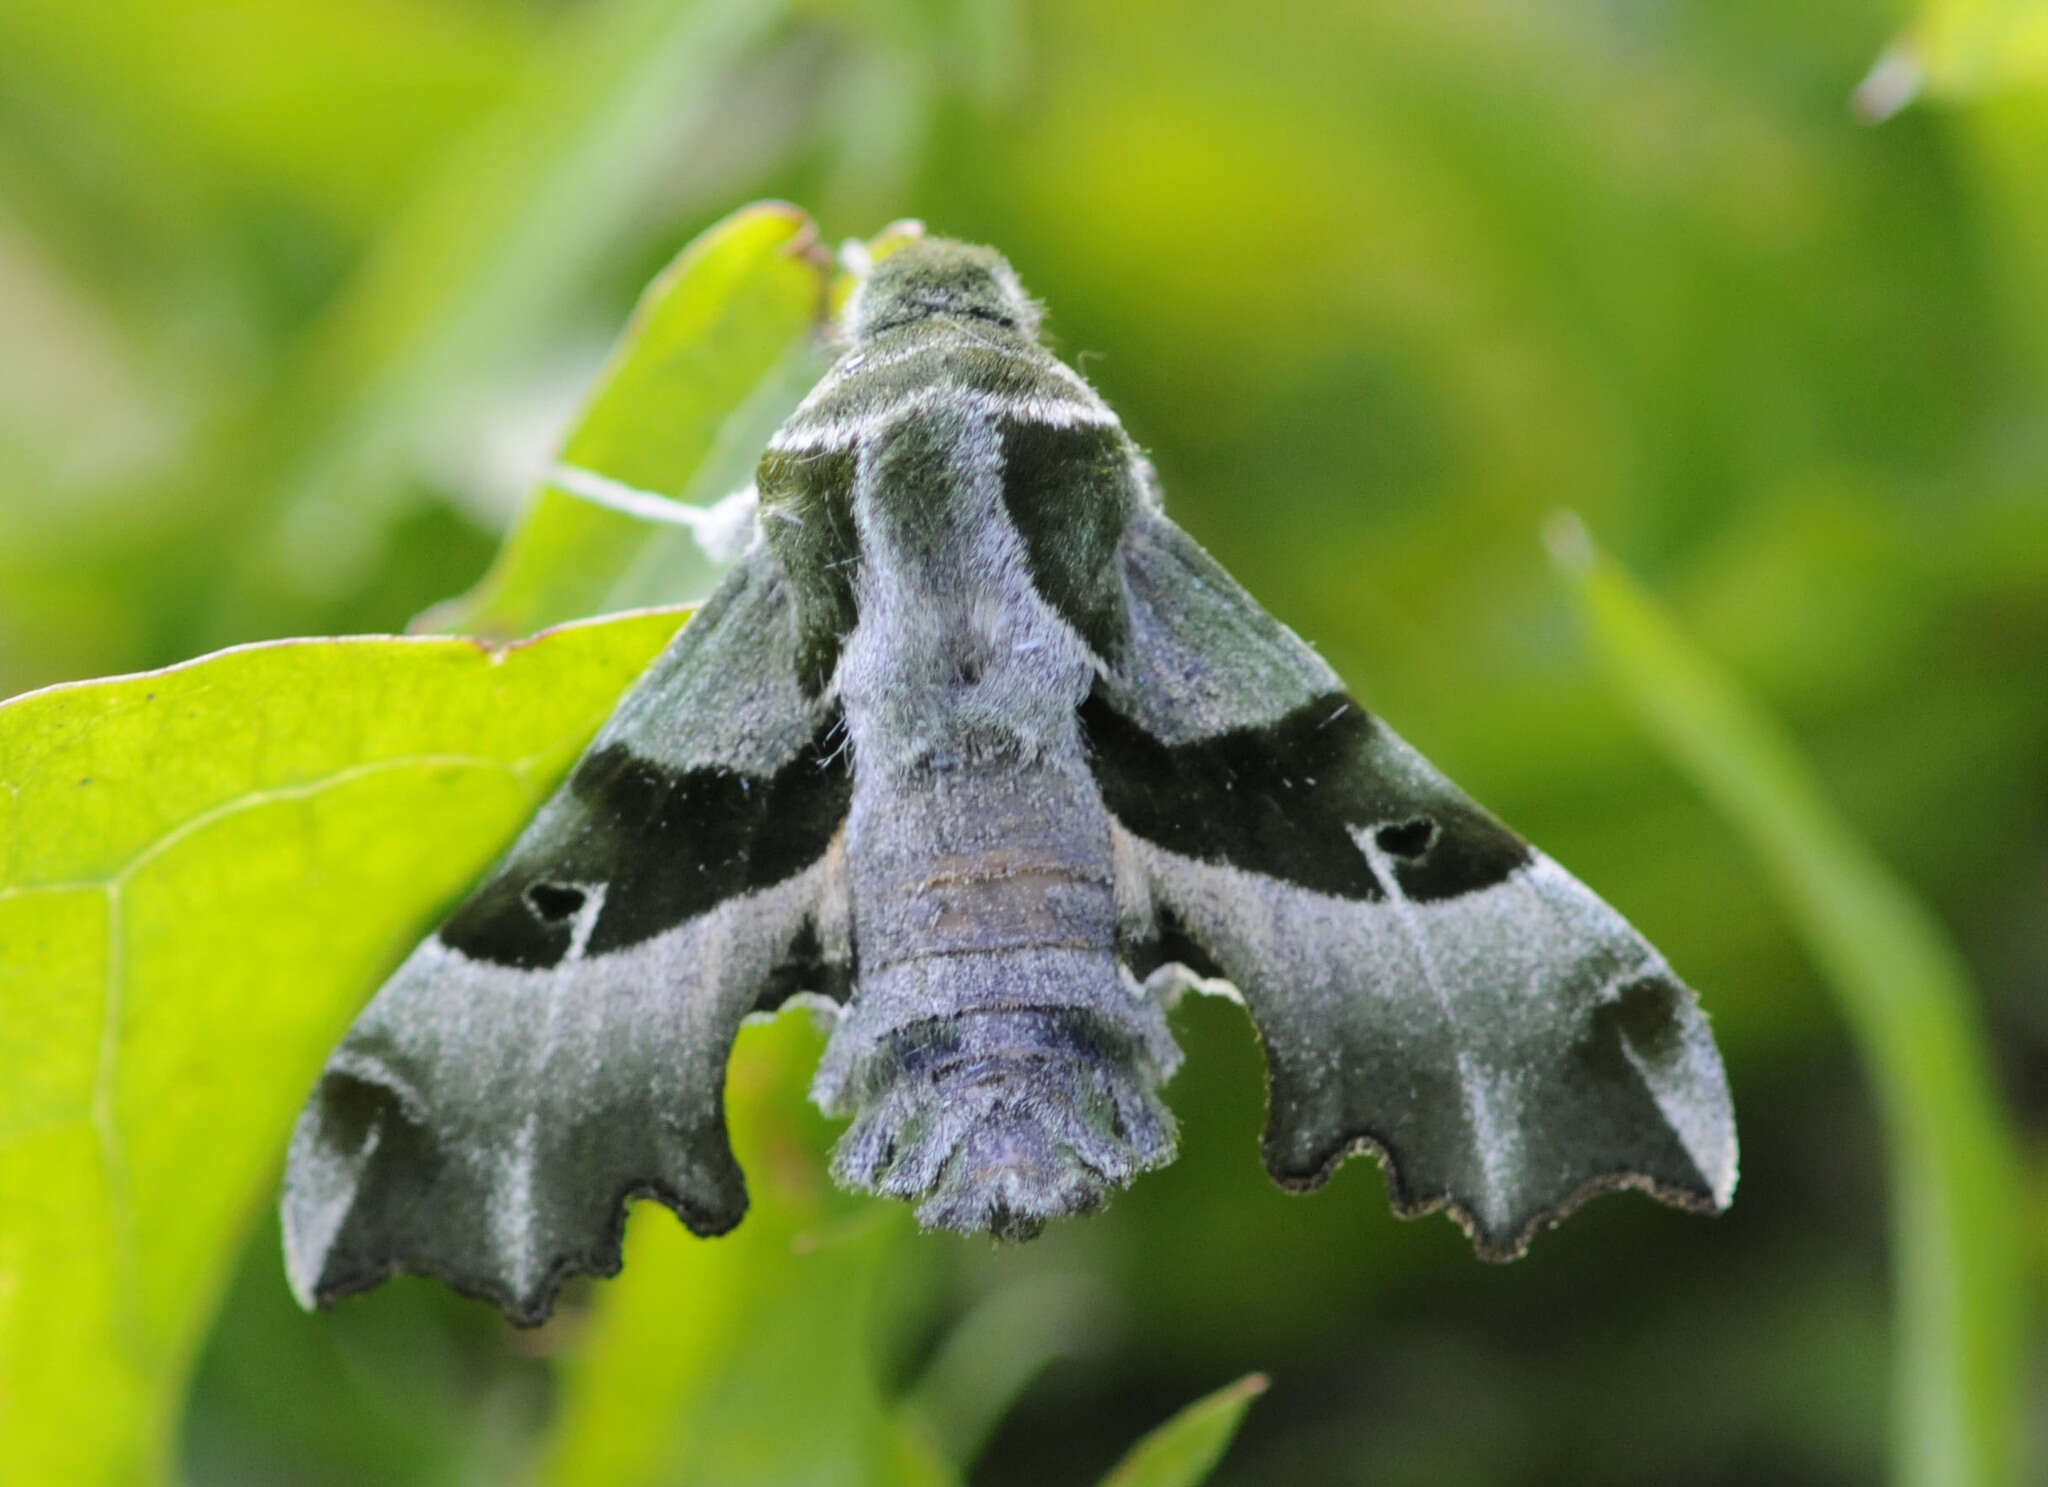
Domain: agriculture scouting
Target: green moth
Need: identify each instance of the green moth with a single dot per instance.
(975, 747)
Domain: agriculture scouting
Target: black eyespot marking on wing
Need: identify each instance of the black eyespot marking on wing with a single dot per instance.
(1284, 799)
(554, 903)
(1467, 851)
(498, 925)
(1410, 839)
(668, 845)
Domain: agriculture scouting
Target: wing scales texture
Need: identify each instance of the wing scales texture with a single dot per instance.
(1427, 986)
(560, 1045)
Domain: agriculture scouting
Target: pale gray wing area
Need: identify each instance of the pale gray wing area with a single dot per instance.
(1427, 985)
(559, 1045)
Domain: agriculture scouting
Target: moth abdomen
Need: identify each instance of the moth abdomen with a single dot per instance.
(1000, 1065)
(998, 1121)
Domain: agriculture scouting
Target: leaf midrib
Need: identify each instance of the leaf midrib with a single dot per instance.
(100, 1112)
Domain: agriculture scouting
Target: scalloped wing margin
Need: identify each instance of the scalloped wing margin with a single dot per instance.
(559, 1045)
(1428, 987)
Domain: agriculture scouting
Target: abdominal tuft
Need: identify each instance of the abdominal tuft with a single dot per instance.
(1003, 1133)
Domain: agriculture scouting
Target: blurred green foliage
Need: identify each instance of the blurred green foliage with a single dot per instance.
(1959, 1313)
(1185, 1450)
(297, 296)
(723, 345)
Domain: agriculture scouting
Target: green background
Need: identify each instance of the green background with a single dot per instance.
(295, 298)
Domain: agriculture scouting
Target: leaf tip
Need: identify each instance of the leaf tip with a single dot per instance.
(1184, 1450)
(808, 241)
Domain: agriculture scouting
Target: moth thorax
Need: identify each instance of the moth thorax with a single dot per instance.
(938, 276)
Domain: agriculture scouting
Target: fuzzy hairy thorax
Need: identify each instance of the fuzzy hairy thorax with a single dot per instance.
(939, 276)
(999, 1063)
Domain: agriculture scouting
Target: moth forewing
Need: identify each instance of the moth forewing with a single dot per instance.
(974, 741)
(1428, 986)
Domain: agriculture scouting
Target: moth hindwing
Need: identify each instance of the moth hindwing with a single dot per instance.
(977, 744)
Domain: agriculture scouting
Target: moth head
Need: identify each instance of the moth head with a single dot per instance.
(938, 276)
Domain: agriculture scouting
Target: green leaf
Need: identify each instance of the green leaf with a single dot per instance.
(203, 872)
(1956, 1178)
(1186, 1448)
(991, 1356)
(723, 345)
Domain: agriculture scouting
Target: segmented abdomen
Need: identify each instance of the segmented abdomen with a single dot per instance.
(1000, 1065)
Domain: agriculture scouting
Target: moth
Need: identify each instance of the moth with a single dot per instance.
(977, 747)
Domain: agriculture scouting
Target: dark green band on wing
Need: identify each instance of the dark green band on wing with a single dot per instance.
(1255, 798)
(666, 845)
(1070, 494)
(905, 363)
(1284, 799)
(807, 516)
